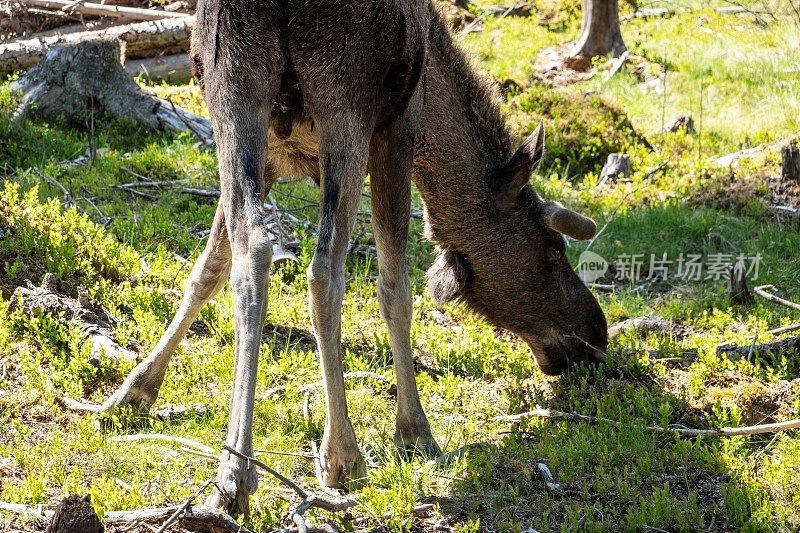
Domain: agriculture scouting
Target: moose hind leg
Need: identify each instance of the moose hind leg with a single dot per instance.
(208, 275)
(390, 173)
(344, 144)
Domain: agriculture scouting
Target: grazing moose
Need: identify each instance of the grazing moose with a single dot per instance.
(336, 90)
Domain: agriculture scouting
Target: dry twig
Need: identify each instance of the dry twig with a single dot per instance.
(682, 431)
(762, 291)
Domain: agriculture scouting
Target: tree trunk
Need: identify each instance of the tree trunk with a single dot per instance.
(600, 33)
(77, 80)
(140, 39)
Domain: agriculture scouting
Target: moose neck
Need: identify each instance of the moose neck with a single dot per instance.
(462, 143)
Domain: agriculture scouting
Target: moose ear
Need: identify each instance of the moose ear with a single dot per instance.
(518, 170)
(447, 276)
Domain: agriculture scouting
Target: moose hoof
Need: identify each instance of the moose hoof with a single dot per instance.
(342, 466)
(416, 438)
(236, 481)
(139, 389)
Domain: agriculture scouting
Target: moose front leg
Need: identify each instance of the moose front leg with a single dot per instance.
(208, 275)
(343, 154)
(390, 174)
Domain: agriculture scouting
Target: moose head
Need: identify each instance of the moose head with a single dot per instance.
(515, 272)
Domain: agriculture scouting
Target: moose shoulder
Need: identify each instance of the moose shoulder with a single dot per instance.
(336, 90)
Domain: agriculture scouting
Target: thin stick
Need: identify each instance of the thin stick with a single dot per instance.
(314, 500)
(263, 466)
(182, 508)
(68, 199)
(164, 438)
(761, 290)
(686, 432)
(784, 329)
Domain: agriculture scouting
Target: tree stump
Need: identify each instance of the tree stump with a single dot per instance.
(790, 162)
(75, 515)
(79, 80)
(684, 122)
(600, 32)
(739, 293)
(616, 165)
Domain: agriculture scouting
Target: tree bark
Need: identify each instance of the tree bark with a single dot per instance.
(141, 39)
(600, 32)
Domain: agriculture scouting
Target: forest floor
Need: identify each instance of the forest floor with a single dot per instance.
(737, 75)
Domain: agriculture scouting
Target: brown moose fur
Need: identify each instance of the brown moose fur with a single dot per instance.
(485, 221)
(335, 90)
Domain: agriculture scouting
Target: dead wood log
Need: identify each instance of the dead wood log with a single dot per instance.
(733, 159)
(647, 324)
(172, 68)
(75, 515)
(790, 162)
(77, 80)
(93, 321)
(194, 516)
(140, 39)
(776, 348)
(104, 10)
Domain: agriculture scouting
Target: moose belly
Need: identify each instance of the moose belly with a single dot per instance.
(295, 155)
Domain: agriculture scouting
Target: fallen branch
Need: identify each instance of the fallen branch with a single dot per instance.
(182, 508)
(37, 511)
(683, 431)
(643, 324)
(104, 10)
(68, 199)
(616, 64)
(776, 347)
(174, 185)
(733, 158)
(172, 68)
(784, 329)
(549, 481)
(193, 516)
(140, 38)
(164, 438)
(762, 291)
(94, 322)
(309, 499)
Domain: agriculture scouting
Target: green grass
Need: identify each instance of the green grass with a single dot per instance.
(617, 478)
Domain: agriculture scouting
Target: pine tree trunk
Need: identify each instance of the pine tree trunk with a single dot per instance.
(600, 32)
